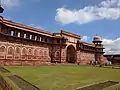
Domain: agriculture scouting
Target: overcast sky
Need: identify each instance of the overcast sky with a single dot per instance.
(83, 17)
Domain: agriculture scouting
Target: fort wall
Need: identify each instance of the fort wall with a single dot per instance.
(24, 45)
(20, 54)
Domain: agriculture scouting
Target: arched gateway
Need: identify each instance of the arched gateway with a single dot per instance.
(71, 54)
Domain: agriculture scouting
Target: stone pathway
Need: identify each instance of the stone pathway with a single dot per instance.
(4, 85)
(99, 86)
(20, 82)
(112, 67)
(3, 70)
(24, 85)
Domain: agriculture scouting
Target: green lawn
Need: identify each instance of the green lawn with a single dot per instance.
(64, 77)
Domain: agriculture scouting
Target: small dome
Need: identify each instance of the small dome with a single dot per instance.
(97, 38)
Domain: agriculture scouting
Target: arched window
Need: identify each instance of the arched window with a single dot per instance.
(57, 54)
(45, 53)
(25, 35)
(40, 39)
(10, 50)
(40, 53)
(30, 36)
(30, 51)
(18, 34)
(46, 39)
(24, 51)
(11, 33)
(18, 50)
(35, 37)
(63, 54)
(2, 49)
(35, 52)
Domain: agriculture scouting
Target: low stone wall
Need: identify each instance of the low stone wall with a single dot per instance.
(4, 85)
(22, 62)
(3, 70)
(23, 84)
(114, 87)
(98, 86)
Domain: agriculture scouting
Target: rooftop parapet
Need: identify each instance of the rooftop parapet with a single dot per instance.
(24, 27)
(70, 34)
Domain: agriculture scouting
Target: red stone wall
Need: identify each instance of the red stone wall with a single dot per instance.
(102, 59)
(19, 54)
(29, 54)
(63, 56)
(82, 57)
(15, 50)
(78, 57)
(55, 54)
(85, 58)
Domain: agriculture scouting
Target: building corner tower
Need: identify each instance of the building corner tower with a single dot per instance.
(99, 58)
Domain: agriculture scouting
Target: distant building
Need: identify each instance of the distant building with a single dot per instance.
(24, 45)
(113, 58)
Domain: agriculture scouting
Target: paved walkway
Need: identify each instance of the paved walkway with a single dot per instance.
(99, 86)
(24, 85)
(20, 82)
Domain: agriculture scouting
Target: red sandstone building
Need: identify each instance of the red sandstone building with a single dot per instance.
(24, 45)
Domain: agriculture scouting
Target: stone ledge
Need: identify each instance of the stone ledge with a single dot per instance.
(98, 86)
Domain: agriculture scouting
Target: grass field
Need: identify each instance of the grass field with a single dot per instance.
(64, 77)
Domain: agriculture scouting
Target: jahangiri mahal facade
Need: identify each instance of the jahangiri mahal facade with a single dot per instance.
(24, 45)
